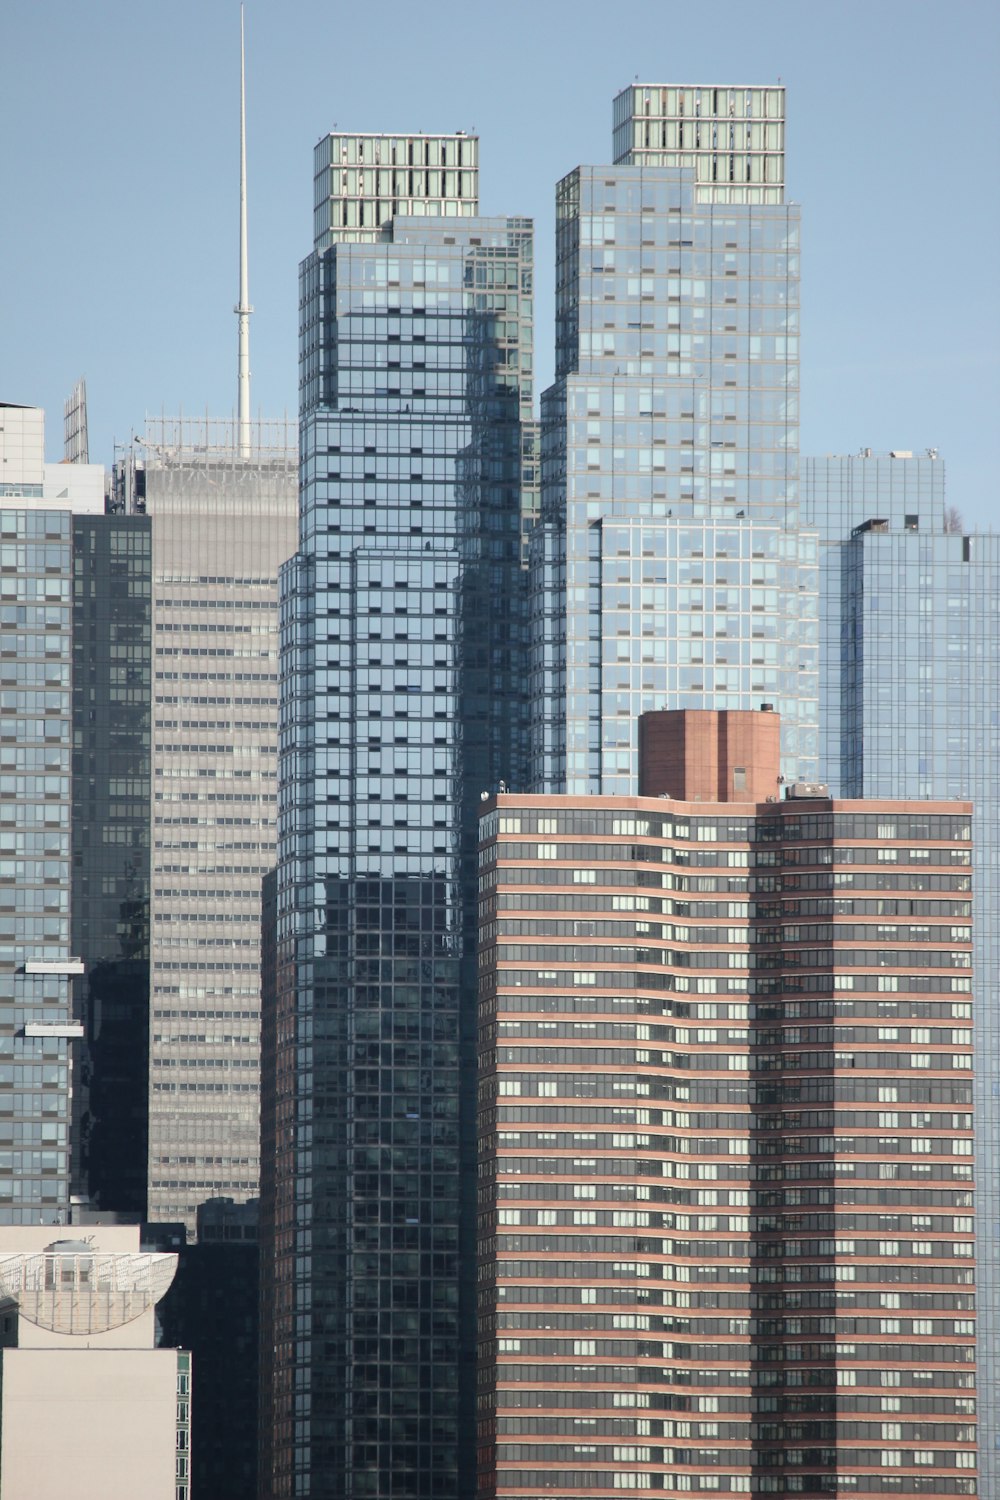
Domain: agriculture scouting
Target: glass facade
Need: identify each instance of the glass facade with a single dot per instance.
(402, 693)
(37, 1026)
(914, 695)
(879, 492)
(361, 182)
(110, 837)
(726, 1148)
(669, 568)
(732, 138)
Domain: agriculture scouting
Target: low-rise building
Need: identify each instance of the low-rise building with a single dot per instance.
(88, 1406)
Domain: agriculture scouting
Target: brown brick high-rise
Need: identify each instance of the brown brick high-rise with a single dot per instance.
(726, 1232)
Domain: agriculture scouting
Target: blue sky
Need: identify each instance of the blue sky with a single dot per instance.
(118, 175)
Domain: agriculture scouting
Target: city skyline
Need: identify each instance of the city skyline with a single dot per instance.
(433, 644)
(890, 366)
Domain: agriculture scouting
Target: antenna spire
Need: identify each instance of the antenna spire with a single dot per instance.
(243, 308)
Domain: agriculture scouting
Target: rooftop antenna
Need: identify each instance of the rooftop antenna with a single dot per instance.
(76, 446)
(243, 308)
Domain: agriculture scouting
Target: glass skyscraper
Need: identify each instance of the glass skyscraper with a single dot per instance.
(402, 701)
(673, 564)
(841, 496)
(109, 924)
(911, 692)
(669, 568)
(40, 506)
(37, 1024)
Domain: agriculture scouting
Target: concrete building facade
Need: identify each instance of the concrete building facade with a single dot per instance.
(221, 527)
(88, 1406)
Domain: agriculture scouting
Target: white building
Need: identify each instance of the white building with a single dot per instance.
(88, 1406)
(35, 484)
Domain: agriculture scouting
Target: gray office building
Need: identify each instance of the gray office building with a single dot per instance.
(221, 523)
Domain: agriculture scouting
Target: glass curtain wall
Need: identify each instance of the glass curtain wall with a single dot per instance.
(402, 701)
(669, 569)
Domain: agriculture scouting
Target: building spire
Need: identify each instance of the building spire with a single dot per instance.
(243, 308)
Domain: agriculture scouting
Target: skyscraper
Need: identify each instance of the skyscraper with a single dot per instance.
(212, 506)
(669, 568)
(842, 498)
(911, 698)
(39, 504)
(101, 654)
(109, 897)
(672, 564)
(221, 525)
(402, 693)
(725, 1134)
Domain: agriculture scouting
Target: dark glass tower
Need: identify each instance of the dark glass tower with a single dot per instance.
(110, 877)
(401, 703)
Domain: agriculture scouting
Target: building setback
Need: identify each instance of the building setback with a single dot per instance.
(725, 1136)
(669, 568)
(730, 136)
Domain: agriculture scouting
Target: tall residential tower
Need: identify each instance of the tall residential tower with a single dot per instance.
(402, 694)
(669, 569)
(725, 1135)
(40, 506)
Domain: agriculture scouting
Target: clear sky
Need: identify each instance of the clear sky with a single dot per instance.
(119, 185)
